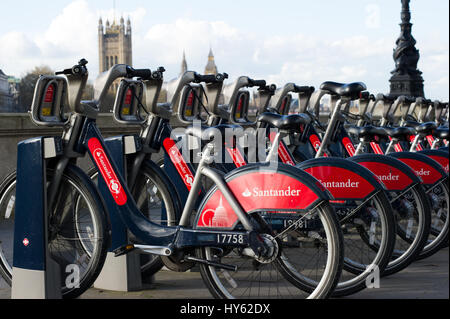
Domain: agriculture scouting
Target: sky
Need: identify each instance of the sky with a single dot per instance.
(301, 41)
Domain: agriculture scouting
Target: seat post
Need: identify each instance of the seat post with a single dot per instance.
(273, 153)
(359, 148)
(414, 144)
(331, 126)
(391, 146)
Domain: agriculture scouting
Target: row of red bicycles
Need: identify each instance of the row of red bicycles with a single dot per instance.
(267, 195)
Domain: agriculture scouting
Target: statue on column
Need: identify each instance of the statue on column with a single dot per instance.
(406, 77)
(406, 56)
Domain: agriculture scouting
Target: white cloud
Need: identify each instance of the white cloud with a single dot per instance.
(294, 56)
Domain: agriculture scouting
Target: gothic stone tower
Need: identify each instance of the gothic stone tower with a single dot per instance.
(114, 44)
(211, 67)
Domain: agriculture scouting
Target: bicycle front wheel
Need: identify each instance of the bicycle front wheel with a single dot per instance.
(308, 263)
(78, 231)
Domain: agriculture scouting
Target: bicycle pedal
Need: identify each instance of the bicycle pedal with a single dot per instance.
(123, 250)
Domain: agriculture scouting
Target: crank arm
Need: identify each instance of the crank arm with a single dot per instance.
(155, 250)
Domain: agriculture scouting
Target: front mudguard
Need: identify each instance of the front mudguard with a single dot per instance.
(393, 173)
(439, 156)
(426, 168)
(345, 180)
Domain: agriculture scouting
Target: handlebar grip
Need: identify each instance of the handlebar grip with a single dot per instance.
(304, 89)
(409, 99)
(211, 78)
(65, 72)
(76, 70)
(385, 98)
(159, 73)
(260, 83)
(145, 74)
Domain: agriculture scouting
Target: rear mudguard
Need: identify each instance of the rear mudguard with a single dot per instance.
(393, 173)
(439, 156)
(345, 180)
(260, 187)
(423, 166)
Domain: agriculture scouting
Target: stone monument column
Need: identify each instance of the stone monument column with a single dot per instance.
(406, 78)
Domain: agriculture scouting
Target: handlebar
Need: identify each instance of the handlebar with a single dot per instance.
(158, 74)
(260, 83)
(210, 78)
(385, 98)
(78, 69)
(269, 88)
(423, 101)
(304, 89)
(145, 74)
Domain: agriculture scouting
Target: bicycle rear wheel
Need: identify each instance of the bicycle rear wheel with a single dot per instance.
(369, 238)
(412, 215)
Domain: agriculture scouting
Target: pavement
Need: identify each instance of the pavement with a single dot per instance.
(425, 279)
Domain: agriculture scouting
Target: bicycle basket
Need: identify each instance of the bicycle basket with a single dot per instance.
(49, 101)
(239, 111)
(129, 99)
(189, 108)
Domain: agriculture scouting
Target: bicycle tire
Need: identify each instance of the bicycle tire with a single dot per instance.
(311, 288)
(441, 240)
(79, 180)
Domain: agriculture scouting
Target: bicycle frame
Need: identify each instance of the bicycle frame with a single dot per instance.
(166, 237)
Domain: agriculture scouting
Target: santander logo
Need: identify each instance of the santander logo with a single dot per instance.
(107, 171)
(346, 184)
(113, 183)
(423, 172)
(256, 192)
(389, 177)
(180, 165)
(349, 146)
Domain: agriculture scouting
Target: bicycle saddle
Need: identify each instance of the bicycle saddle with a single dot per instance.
(426, 128)
(285, 122)
(350, 89)
(399, 133)
(366, 131)
(208, 133)
(441, 132)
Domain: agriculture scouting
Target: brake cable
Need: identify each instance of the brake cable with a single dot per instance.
(140, 103)
(199, 99)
